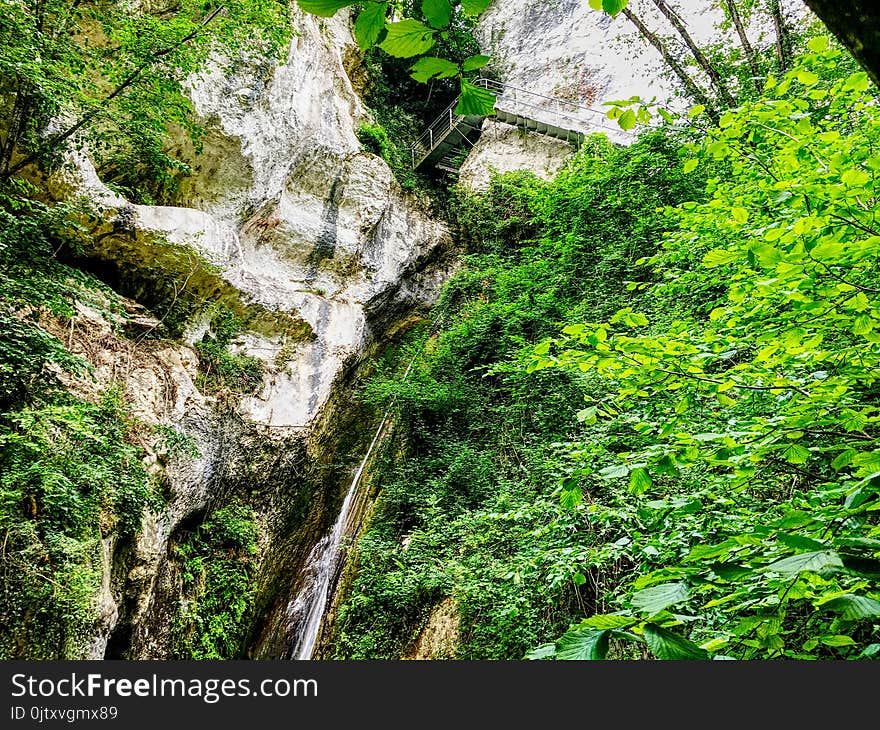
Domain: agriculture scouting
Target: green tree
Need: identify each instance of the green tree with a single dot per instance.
(99, 76)
(752, 388)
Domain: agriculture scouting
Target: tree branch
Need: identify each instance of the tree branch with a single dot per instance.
(131, 79)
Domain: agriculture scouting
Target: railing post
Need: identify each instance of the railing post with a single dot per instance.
(430, 139)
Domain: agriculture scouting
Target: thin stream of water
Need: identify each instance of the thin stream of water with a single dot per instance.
(323, 561)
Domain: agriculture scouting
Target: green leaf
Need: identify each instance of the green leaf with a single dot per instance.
(608, 621)
(690, 165)
(807, 78)
(813, 561)
(429, 67)
(474, 7)
(695, 111)
(799, 542)
(818, 44)
(475, 62)
(863, 325)
(407, 38)
(653, 600)
(596, 4)
(475, 100)
(837, 640)
(583, 644)
(325, 8)
(437, 12)
(665, 644)
(857, 81)
(545, 651)
(571, 498)
(615, 471)
(797, 454)
(627, 120)
(719, 257)
(640, 481)
(843, 459)
(369, 24)
(613, 7)
(854, 608)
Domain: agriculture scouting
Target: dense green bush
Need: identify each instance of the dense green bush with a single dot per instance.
(222, 368)
(217, 564)
(469, 502)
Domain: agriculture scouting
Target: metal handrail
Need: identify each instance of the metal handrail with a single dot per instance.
(440, 128)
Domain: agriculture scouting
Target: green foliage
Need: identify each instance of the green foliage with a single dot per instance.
(111, 80)
(217, 562)
(746, 381)
(68, 478)
(375, 139)
(221, 367)
(411, 28)
(469, 502)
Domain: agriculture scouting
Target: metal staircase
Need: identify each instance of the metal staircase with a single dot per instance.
(445, 143)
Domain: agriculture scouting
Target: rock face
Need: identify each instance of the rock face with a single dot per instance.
(312, 243)
(565, 49)
(503, 148)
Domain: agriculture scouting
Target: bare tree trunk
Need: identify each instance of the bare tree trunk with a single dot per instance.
(856, 23)
(783, 37)
(743, 39)
(691, 87)
(704, 63)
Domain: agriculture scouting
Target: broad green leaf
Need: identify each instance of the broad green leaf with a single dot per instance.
(719, 257)
(613, 7)
(640, 481)
(807, 78)
(596, 4)
(653, 600)
(369, 24)
(837, 640)
(615, 471)
(695, 111)
(710, 552)
(583, 644)
(545, 651)
(857, 81)
(740, 215)
(799, 542)
(813, 561)
(818, 44)
(843, 459)
(609, 621)
(429, 67)
(474, 7)
(325, 8)
(437, 12)
(854, 608)
(475, 62)
(627, 120)
(475, 101)
(855, 177)
(571, 498)
(690, 165)
(863, 325)
(407, 38)
(797, 454)
(665, 644)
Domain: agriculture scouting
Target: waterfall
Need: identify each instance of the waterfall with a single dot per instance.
(323, 561)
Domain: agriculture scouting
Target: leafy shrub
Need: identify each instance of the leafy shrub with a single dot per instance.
(217, 563)
(222, 368)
